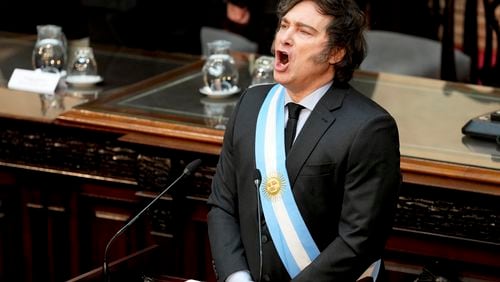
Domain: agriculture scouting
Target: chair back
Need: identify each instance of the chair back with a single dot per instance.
(238, 42)
(395, 52)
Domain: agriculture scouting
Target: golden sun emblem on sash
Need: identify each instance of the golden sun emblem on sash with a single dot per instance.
(274, 185)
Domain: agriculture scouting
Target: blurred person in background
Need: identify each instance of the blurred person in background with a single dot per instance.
(254, 19)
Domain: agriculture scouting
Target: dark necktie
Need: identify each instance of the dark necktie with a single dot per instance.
(291, 125)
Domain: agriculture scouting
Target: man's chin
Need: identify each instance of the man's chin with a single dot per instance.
(281, 77)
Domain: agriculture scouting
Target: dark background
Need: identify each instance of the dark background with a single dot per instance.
(174, 26)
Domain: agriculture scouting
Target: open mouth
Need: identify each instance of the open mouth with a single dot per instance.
(282, 57)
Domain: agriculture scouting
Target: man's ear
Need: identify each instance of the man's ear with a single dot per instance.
(336, 56)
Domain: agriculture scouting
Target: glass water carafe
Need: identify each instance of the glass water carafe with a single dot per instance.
(49, 53)
(220, 74)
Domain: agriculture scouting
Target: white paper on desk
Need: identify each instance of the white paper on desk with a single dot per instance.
(34, 81)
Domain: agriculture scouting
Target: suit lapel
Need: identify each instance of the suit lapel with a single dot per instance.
(322, 117)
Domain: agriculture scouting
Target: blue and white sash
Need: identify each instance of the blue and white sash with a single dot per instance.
(290, 235)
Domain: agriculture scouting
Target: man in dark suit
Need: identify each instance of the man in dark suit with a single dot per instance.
(326, 202)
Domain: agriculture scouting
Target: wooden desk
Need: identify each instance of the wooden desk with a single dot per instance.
(430, 115)
(139, 266)
(119, 67)
(85, 168)
(64, 191)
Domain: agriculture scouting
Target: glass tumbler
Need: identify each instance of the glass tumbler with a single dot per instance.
(263, 70)
(82, 62)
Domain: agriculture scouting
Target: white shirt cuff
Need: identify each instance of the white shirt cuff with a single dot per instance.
(239, 276)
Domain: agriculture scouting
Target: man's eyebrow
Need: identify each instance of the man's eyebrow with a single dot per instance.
(303, 25)
(299, 24)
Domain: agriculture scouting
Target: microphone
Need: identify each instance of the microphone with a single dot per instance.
(257, 180)
(188, 170)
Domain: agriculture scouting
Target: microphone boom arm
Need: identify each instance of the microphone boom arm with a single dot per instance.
(190, 168)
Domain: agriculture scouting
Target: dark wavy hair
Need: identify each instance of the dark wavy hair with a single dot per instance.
(346, 31)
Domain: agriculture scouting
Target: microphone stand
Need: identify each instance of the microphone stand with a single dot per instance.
(190, 168)
(257, 181)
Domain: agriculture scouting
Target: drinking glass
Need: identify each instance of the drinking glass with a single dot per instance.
(82, 62)
(263, 70)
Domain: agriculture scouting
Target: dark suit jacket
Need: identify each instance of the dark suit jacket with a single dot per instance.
(345, 176)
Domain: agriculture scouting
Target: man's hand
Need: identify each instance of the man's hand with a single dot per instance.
(237, 14)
